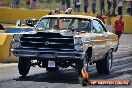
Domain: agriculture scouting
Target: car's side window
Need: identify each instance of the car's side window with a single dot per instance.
(84, 25)
(97, 27)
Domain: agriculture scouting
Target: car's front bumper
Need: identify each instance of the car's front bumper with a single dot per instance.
(48, 54)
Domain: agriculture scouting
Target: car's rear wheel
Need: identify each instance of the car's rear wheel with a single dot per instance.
(24, 65)
(104, 66)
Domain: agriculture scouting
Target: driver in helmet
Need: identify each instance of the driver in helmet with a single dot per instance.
(57, 11)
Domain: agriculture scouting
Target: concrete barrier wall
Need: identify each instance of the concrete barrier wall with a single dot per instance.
(1, 53)
(5, 48)
(10, 15)
(2, 40)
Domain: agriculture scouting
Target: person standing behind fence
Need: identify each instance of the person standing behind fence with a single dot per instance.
(102, 7)
(129, 7)
(37, 4)
(1, 2)
(63, 2)
(78, 5)
(93, 6)
(17, 3)
(100, 17)
(85, 6)
(114, 6)
(74, 5)
(119, 27)
(13, 3)
(28, 4)
(120, 5)
(33, 5)
(109, 2)
(68, 3)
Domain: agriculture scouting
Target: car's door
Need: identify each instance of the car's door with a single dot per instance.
(112, 40)
(98, 39)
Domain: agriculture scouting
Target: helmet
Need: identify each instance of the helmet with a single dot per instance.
(68, 11)
(57, 11)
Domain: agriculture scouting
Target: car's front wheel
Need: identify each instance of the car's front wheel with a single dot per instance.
(104, 66)
(24, 65)
(83, 64)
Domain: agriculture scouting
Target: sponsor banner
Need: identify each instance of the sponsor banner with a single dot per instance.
(109, 82)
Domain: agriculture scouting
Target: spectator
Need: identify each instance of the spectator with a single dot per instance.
(78, 4)
(33, 5)
(37, 4)
(74, 4)
(120, 5)
(17, 4)
(63, 2)
(102, 7)
(119, 27)
(68, 3)
(13, 3)
(28, 4)
(100, 17)
(57, 11)
(93, 6)
(109, 5)
(85, 6)
(1, 2)
(114, 7)
(129, 7)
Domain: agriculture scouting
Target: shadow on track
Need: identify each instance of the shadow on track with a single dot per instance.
(67, 76)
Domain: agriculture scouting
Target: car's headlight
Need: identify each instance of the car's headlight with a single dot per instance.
(17, 37)
(16, 43)
(78, 44)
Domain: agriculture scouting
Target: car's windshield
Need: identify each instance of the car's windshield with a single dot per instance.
(78, 24)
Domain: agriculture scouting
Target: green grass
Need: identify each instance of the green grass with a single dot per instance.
(45, 5)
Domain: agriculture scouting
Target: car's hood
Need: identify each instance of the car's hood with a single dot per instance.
(62, 32)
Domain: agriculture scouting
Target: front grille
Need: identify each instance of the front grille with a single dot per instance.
(43, 40)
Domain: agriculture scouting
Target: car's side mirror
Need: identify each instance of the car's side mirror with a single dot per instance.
(18, 23)
(35, 26)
